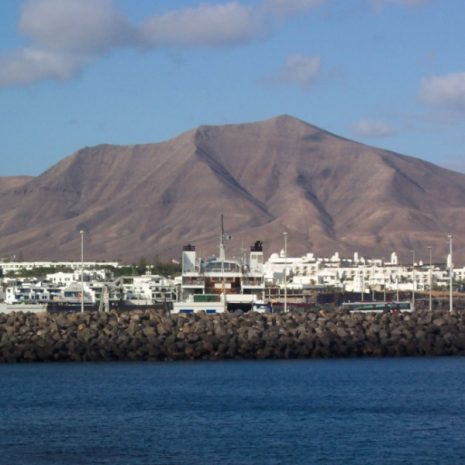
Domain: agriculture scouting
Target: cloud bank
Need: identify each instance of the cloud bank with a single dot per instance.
(446, 92)
(371, 128)
(66, 35)
(29, 64)
(210, 25)
(84, 26)
(300, 70)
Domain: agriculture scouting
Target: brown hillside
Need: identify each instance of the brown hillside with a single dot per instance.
(329, 193)
(8, 182)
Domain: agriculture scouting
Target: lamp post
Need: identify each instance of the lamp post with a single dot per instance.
(384, 284)
(363, 284)
(373, 281)
(451, 268)
(285, 271)
(82, 270)
(430, 278)
(413, 278)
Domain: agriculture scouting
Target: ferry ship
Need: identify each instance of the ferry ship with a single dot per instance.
(217, 284)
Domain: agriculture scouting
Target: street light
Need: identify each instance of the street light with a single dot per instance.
(285, 271)
(413, 278)
(82, 270)
(451, 268)
(384, 284)
(430, 278)
(362, 287)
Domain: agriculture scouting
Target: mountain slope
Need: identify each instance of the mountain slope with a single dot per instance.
(282, 174)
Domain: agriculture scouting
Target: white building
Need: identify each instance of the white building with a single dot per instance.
(146, 289)
(354, 275)
(8, 267)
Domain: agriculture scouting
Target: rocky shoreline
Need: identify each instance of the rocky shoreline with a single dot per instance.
(151, 335)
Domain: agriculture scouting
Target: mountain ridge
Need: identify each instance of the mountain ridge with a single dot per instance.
(282, 174)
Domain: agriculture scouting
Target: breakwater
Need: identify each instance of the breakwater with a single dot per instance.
(151, 335)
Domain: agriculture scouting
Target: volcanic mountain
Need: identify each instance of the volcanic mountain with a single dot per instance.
(329, 193)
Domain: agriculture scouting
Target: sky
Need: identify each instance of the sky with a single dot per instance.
(76, 73)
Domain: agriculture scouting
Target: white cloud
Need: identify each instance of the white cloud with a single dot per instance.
(68, 34)
(289, 7)
(371, 128)
(446, 91)
(204, 25)
(300, 70)
(28, 64)
(90, 26)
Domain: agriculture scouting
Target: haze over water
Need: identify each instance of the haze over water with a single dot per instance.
(361, 411)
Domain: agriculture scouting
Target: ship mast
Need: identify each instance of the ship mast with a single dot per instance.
(222, 253)
(222, 256)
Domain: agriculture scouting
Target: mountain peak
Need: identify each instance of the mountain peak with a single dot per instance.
(266, 177)
(284, 125)
(287, 119)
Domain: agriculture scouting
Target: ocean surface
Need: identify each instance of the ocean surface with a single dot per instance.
(357, 411)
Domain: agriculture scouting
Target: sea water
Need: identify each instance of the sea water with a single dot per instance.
(355, 411)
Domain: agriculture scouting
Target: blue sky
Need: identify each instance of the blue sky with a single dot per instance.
(75, 73)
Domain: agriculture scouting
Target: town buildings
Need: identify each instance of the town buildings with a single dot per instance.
(297, 274)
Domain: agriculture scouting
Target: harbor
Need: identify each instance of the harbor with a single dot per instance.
(231, 282)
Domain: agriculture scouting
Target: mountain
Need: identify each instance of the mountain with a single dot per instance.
(329, 193)
(7, 182)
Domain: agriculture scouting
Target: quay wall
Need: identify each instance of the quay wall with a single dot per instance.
(152, 335)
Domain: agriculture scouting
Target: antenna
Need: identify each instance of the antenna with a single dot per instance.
(243, 252)
(222, 254)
